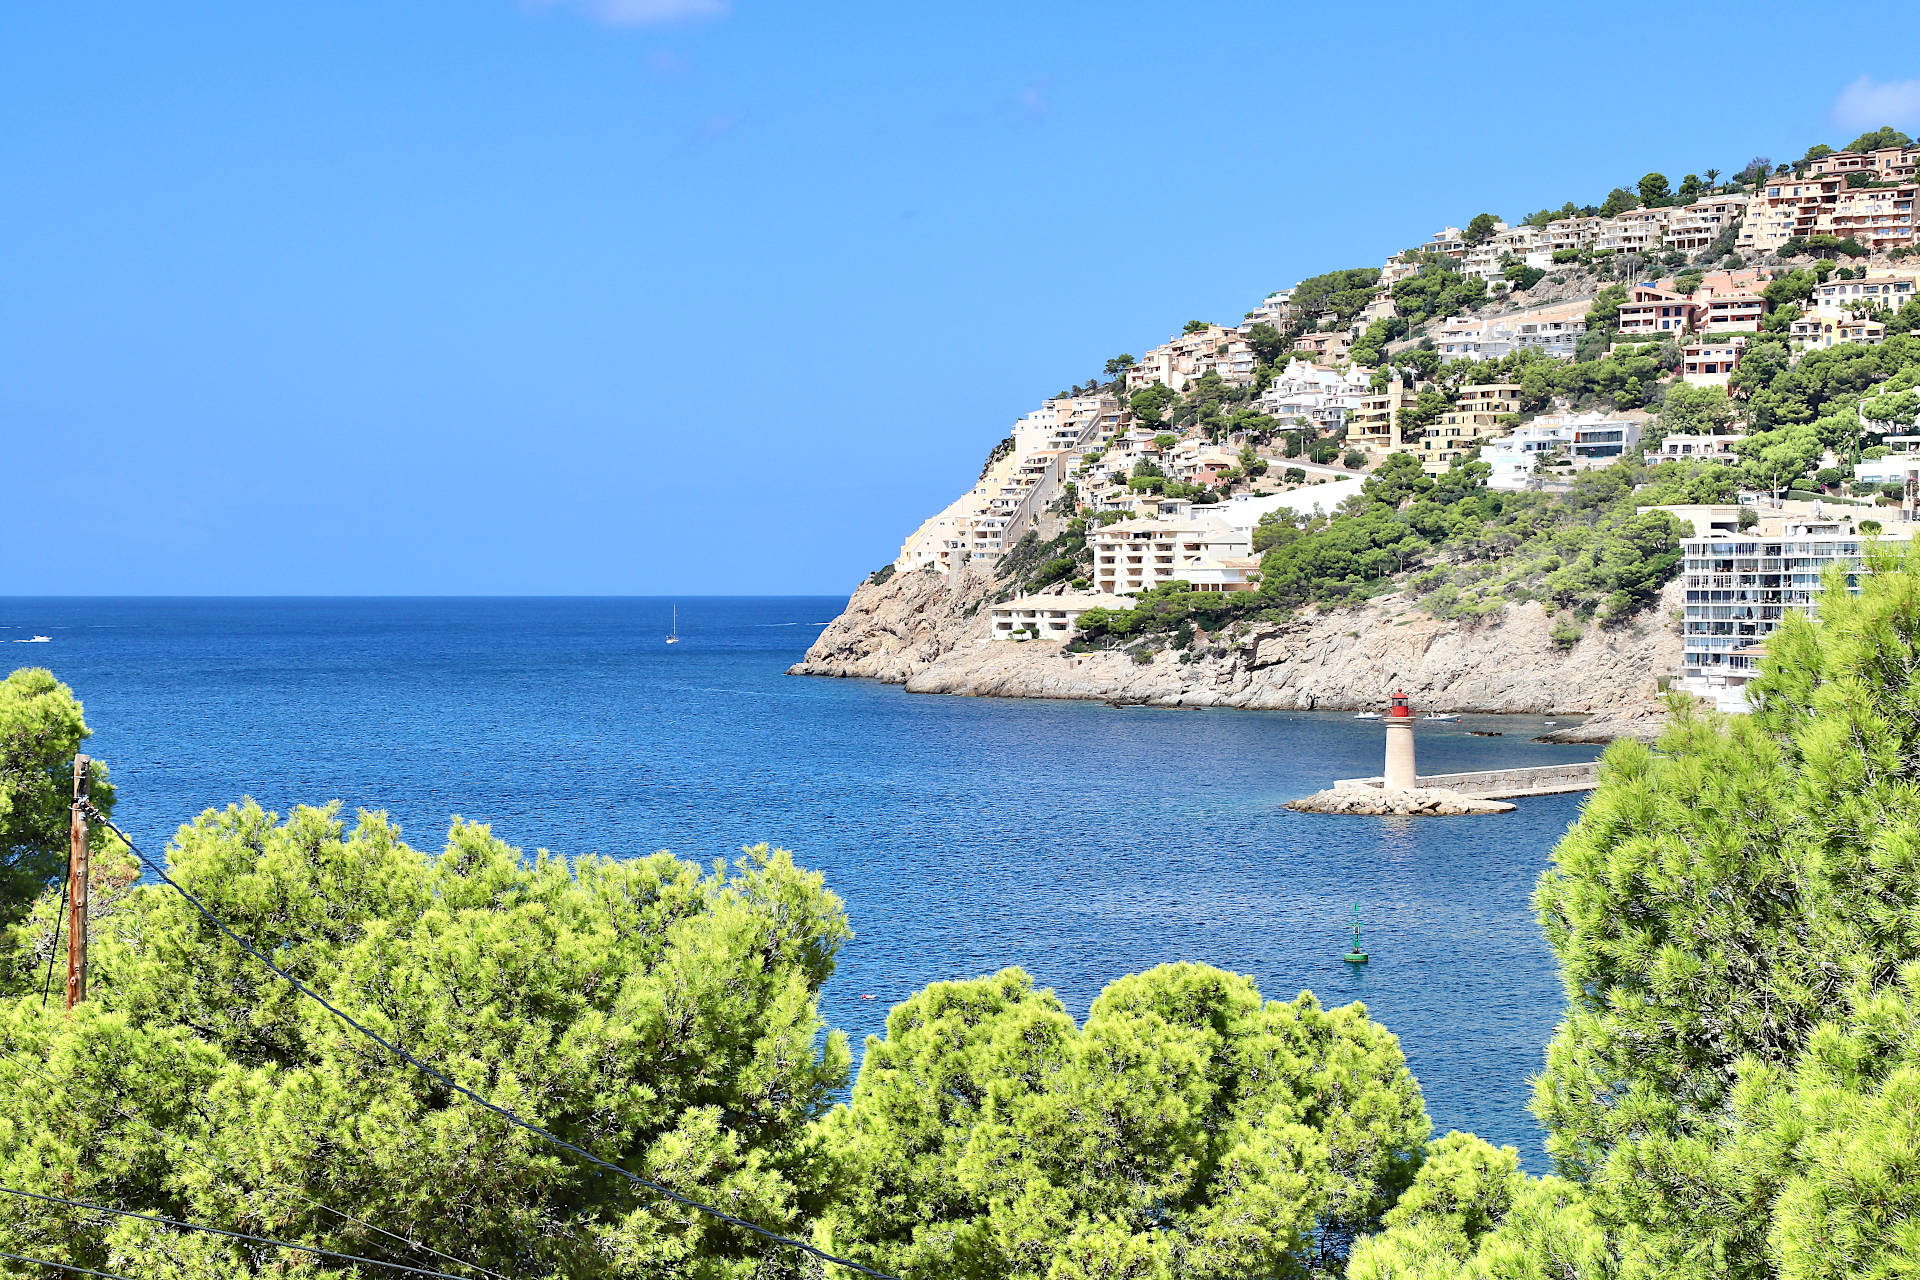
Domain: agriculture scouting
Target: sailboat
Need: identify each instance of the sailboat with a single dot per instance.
(673, 632)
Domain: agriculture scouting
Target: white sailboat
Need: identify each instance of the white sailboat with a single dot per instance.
(673, 632)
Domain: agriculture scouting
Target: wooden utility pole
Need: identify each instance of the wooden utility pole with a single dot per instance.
(77, 889)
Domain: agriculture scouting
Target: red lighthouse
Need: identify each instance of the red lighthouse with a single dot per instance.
(1400, 771)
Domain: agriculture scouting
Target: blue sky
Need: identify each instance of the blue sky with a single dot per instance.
(724, 296)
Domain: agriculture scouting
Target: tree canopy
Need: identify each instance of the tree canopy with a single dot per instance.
(663, 1018)
(1187, 1129)
(41, 729)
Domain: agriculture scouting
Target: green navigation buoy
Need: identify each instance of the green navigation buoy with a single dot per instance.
(1356, 956)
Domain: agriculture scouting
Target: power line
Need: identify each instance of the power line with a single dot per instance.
(685, 1201)
(206, 1162)
(60, 1266)
(231, 1235)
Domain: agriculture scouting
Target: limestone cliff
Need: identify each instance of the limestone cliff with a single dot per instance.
(931, 634)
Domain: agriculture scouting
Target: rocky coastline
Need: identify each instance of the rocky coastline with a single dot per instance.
(930, 632)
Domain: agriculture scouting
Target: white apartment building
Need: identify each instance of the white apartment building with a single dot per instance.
(1572, 233)
(1888, 289)
(995, 513)
(1635, 231)
(1901, 462)
(1698, 448)
(1820, 330)
(1514, 457)
(1305, 390)
(1043, 617)
(1552, 331)
(1740, 585)
(1138, 555)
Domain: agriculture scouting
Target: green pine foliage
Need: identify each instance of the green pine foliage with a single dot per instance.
(1188, 1129)
(661, 1017)
(41, 729)
(1735, 1090)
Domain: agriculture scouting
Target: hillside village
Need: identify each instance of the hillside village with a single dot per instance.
(1716, 378)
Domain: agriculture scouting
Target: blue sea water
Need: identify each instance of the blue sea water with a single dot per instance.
(1077, 840)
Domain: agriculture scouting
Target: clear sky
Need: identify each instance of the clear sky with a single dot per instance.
(725, 296)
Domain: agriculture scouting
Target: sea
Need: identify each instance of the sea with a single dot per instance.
(1077, 840)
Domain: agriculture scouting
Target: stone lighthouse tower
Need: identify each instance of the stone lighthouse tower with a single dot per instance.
(1400, 773)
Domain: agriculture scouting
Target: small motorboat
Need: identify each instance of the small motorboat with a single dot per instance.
(1550, 723)
(1366, 715)
(1435, 715)
(36, 640)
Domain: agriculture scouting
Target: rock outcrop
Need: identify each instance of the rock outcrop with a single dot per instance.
(1406, 802)
(931, 633)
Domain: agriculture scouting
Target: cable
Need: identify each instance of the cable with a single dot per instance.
(60, 1266)
(718, 1214)
(231, 1235)
(55, 952)
(226, 1167)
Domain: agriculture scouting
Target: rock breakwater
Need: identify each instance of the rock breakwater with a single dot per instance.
(1410, 802)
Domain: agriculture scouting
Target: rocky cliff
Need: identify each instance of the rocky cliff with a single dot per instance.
(931, 634)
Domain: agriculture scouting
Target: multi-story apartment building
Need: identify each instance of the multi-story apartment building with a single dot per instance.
(1374, 424)
(1044, 617)
(1880, 217)
(1885, 165)
(1188, 356)
(1739, 585)
(1552, 331)
(1636, 231)
(1572, 233)
(1476, 415)
(1889, 289)
(1014, 487)
(1725, 302)
(1322, 396)
(1824, 329)
(1651, 311)
(1138, 555)
(1699, 224)
(1710, 362)
(1706, 447)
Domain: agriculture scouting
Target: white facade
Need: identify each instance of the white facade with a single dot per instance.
(1138, 555)
(1698, 448)
(1305, 390)
(1043, 617)
(1902, 460)
(1513, 457)
(1739, 586)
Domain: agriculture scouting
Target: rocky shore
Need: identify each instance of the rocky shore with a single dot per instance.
(930, 633)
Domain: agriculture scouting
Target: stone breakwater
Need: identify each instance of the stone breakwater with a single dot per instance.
(930, 633)
(1407, 802)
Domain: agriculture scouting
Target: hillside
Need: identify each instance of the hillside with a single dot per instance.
(1507, 393)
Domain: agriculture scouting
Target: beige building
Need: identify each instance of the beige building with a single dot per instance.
(1374, 424)
(1476, 415)
(1699, 224)
(1879, 217)
(1188, 356)
(1885, 165)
